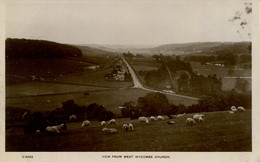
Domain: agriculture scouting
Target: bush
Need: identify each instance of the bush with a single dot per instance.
(151, 104)
(36, 122)
(98, 112)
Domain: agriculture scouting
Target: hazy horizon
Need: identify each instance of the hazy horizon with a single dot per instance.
(125, 22)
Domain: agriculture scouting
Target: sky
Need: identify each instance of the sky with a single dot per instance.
(125, 21)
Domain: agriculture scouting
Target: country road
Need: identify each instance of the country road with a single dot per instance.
(138, 84)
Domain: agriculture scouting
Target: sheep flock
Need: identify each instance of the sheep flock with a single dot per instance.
(112, 126)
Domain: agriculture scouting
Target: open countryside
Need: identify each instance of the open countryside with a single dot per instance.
(97, 85)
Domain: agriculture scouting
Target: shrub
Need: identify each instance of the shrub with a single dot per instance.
(36, 122)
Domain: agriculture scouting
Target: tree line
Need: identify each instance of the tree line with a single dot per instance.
(153, 104)
(229, 59)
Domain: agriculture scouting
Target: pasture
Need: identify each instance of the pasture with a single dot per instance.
(144, 64)
(228, 82)
(220, 131)
(93, 77)
(110, 98)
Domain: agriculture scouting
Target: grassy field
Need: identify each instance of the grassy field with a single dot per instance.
(93, 77)
(144, 62)
(43, 67)
(227, 83)
(220, 131)
(144, 68)
(110, 98)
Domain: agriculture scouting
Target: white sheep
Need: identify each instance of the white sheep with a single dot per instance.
(160, 117)
(109, 130)
(55, 129)
(25, 115)
(143, 119)
(152, 118)
(196, 117)
(72, 117)
(86, 123)
(125, 127)
(234, 109)
(170, 122)
(112, 121)
(181, 115)
(103, 123)
(241, 109)
(231, 112)
(130, 127)
(200, 119)
(38, 131)
(190, 121)
(104, 129)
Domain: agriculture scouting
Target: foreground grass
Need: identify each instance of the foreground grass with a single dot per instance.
(220, 131)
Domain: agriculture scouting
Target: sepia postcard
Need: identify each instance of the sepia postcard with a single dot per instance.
(130, 80)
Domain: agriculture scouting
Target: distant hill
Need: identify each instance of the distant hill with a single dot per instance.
(92, 51)
(196, 48)
(26, 48)
(44, 59)
(203, 48)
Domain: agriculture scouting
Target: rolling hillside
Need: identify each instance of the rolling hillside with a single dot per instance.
(45, 59)
(205, 48)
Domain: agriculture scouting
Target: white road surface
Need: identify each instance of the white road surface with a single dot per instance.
(137, 83)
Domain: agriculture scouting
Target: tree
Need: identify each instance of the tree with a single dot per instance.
(241, 85)
(153, 104)
(128, 109)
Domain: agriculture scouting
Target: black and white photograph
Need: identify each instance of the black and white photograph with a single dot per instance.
(118, 78)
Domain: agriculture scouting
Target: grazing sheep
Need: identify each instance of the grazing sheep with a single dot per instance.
(25, 115)
(55, 129)
(125, 127)
(160, 117)
(241, 109)
(234, 109)
(181, 115)
(152, 118)
(231, 112)
(112, 121)
(86, 123)
(200, 119)
(190, 121)
(196, 117)
(103, 123)
(52, 129)
(143, 119)
(130, 127)
(104, 129)
(170, 122)
(109, 130)
(72, 117)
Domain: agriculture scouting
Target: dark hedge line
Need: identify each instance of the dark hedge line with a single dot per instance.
(40, 120)
(157, 104)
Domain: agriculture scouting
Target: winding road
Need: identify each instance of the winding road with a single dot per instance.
(137, 83)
